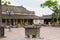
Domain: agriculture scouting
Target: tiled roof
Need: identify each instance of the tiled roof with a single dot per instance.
(17, 9)
(46, 16)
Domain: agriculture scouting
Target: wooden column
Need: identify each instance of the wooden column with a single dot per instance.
(29, 22)
(23, 21)
(16, 21)
(20, 21)
(6, 21)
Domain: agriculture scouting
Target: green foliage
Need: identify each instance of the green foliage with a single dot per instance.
(53, 16)
(6, 3)
(54, 6)
(58, 10)
(59, 16)
(49, 3)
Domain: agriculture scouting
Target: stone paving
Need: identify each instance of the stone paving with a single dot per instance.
(15, 34)
(47, 33)
(50, 33)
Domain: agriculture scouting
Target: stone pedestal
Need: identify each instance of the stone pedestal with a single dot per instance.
(32, 31)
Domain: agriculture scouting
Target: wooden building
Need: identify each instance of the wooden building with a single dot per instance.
(15, 15)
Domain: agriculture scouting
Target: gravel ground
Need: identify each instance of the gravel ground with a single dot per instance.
(47, 33)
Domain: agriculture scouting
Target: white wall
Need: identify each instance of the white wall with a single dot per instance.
(38, 21)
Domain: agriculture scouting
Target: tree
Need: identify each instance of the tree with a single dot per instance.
(0, 13)
(5, 4)
(54, 6)
(2, 28)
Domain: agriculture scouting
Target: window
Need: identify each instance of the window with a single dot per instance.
(7, 11)
(12, 11)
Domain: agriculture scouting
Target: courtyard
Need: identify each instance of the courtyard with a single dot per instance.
(47, 33)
